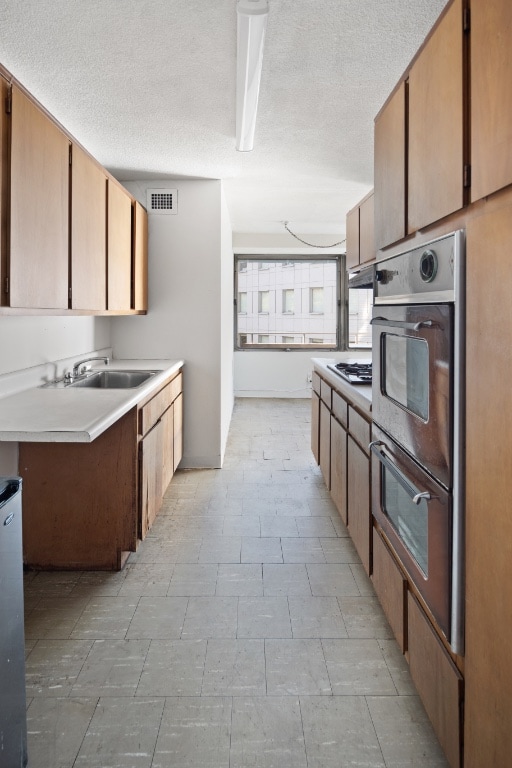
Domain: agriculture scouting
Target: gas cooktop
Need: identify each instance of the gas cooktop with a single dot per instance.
(353, 371)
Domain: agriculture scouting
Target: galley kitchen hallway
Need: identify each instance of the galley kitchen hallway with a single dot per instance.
(243, 633)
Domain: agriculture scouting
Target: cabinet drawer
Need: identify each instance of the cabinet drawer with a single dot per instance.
(339, 409)
(316, 381)
(360, 429)
(176, 386)
(391, 588)
(152, 411)
(437, 680)
(325, 393)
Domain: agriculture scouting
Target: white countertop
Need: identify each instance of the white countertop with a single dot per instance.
(76, 414)
(359, 394)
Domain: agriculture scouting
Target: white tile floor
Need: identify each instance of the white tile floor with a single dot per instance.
(244, 632)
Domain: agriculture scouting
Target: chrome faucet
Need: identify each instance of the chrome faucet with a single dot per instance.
(76, 368)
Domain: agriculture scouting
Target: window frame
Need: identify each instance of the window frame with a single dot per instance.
(289, 260)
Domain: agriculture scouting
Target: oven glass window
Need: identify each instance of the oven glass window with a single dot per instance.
(405, 372)
(409, 520)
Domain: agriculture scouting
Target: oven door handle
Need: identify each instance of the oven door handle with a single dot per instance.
(402, 323)
(399, 477)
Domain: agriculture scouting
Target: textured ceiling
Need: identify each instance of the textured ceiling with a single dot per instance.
(148, 87)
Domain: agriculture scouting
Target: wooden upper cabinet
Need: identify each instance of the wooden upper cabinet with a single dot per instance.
(436, 117)
(366, 230)
(140, 258)
(491, 96)
(352, 259)
(38, 257)
(88, 233)
(4, 188)
(360, 233)
(119, 248)
(390, 170)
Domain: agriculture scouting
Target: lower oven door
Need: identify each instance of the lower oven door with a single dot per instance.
(415, 513)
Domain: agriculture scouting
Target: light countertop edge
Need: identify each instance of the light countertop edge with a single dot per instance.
(77, 414)
(358, 394)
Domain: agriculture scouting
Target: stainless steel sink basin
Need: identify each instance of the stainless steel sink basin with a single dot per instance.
(114, 379)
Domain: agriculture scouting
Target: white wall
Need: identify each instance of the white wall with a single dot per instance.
(226, 319)
(187, 285)
(27, 342)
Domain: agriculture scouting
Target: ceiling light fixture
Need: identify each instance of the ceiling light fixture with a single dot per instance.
(251, 25)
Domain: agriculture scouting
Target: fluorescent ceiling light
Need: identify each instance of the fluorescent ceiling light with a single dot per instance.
(251, 25)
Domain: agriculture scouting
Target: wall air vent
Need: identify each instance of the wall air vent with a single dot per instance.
(162, 201)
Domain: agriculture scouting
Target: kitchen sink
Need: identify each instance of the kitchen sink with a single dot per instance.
(114, 379)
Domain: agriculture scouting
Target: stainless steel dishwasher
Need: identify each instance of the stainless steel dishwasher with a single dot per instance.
(13, 718)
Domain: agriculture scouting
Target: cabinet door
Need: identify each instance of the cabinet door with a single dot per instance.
(151, 448)
(391, 588)
(315, 426)
(389, 170)
(178, 431)
(488, 664)
(339, 468)
(140, 258)
(358, 501)
(88, 233)
(38, 259)
(439, 685)
(436, 115)
(491, 96)
(167, 447)
(366, 230)
(325, 443)
(352, 257)
(4, 189)
(119, 249)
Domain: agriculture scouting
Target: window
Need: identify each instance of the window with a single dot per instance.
(316, 300)
(314, 340)
(288, 339)
(242, 303)
(263, 301)
(263, 339)
(360, 302)
(263, 265)
(288, 300)
(243, 266)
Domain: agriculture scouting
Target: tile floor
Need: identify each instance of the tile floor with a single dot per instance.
(244, 632)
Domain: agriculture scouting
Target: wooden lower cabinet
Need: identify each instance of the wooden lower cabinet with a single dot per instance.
(437, 681)
(85, 505)
(358, 501)
(80, 500)
(339, 468)
(315, 426)
(325, 443)
(391, 588)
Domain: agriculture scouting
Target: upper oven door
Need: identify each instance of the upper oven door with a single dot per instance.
(413, 381)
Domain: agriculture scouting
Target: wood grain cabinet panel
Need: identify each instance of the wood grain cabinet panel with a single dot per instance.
(88, 233)
(390, 170)
(488, 665)
(119, 248)
(491, 96)
(140, 258)
(151, 479)
(391, 588)
(436, 116)
(339, 468)
(352, 256)
(358, 502)
(315, 426)
(367, 230)
(360, 429)
(4, 190)
(438, 682)
(325, 443)
(177, 431)
(38, 251)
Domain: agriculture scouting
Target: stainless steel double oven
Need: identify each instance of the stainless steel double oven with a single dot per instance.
(418, 412)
